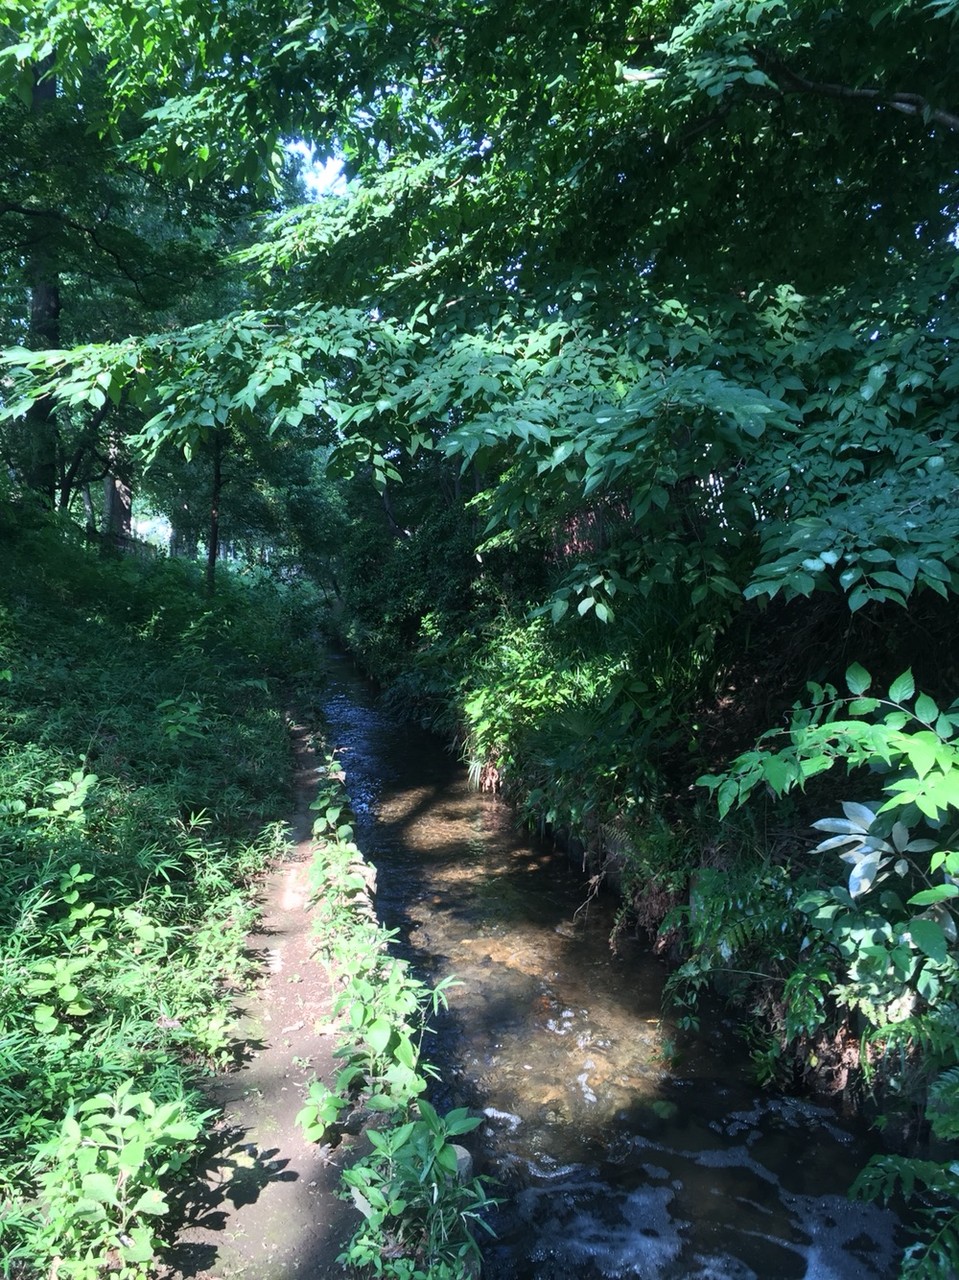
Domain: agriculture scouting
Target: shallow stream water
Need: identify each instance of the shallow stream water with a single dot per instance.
(622, 1149)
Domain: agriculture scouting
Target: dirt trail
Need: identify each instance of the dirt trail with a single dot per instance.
(267, 1210)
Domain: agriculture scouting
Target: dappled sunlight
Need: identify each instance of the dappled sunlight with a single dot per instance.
(621, 1143)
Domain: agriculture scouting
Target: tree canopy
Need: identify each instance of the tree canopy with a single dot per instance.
(692, 262)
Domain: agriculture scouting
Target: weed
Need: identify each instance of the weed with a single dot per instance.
(419, 1215)
(100, 1179)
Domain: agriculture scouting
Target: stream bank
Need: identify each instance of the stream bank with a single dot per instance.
(619, 1146)
(624, 1148)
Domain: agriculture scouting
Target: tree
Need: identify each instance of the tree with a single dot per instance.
(92, 250)
(651, 307)
(660, 182)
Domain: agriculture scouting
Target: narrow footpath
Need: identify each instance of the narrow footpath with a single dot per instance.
(267, 1209)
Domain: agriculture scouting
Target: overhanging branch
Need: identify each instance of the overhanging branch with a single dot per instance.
(910, 104)
(56, 215)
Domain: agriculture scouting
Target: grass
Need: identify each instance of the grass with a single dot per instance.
(143, 763)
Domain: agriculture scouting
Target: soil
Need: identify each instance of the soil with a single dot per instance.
(266, 1208)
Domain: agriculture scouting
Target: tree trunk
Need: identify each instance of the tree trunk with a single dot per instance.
(117, 507)
(40, 455)
(213, 545)
(88, 509)
(184, 543)
(41, 471)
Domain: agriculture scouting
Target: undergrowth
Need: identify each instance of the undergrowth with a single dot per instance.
(143, 761)
(419, 1204)
(846, 988)
(848, 952)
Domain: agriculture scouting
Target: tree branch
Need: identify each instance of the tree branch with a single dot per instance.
(24, 211)
(89, 434)
(910, 104)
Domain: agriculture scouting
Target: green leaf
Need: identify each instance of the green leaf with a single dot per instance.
(151, 1202)
(100, 1187)
(863, 875)
(908, 565)
(430, 1115)
(139, 1245)
(778, 773)
(863, 706)
(859, 813)
(378, 1035)
(131, 1157)
(181, 1130)
(460, 1121)
(401, 1135)
(921, 750)
(928, 897)
(945, 728)
(930, 939)
(405, 1053)
(44, 1019)
(858, 679)
(926, 709)
(902, 688)
(380, 1102)
(935, 569)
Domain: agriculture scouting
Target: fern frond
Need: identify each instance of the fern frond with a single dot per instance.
(933, 1188)
(943, 1106)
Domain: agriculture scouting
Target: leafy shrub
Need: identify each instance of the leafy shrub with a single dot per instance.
(877, 951)
(419, 1213)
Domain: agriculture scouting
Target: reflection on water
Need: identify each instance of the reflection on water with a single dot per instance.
(619, 1155)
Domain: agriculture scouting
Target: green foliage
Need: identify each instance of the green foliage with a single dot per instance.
(381, 1008)
(931, 1188)
(642, 306)
(577, 727)
(767, 419)
(874, 730)
(891, 923)
(881, 946)
(742, 930)
(418, 1213)
(100, 1181)
(134, 817)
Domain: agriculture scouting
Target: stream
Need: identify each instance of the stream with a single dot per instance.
(622, 1148)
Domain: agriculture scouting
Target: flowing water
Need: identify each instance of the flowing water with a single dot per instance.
(622, 1149)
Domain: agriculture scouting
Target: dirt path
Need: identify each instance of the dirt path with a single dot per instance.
(267, 1210)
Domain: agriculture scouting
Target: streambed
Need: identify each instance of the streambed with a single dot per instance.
(623, 1148)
